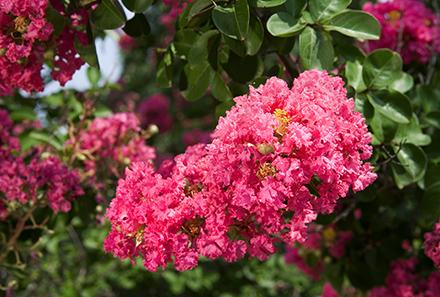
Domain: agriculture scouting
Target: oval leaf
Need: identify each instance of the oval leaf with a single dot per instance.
(381, 68)
(357, 24)
(108, 15)
(283, 24)
(137, 5)
(315, 49)
(325, 9)
(392, 105)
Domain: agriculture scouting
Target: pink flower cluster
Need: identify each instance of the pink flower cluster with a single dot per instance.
(408, 27)
(23, 34)
(41, 177)
(277, 159)
(109, 139)
(26, 35)
(329, 291)
(403, 280)
(432, 244)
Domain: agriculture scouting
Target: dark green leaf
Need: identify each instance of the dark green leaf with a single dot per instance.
(137, 26)
(93, 75)
(243, 69)
(108, 15)
(219, 88)
(357, 24)
(392, 105)
(413, 160)
(295, 7)
(199, 77)
(232, 21)
(381, 68)
(432, 119)
(138, 6)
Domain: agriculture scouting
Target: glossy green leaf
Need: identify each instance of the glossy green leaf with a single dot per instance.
(243, 69)
(392, 105)
(138, 6)
(232, 21)
(413, 160)
(255, 36)
(357, 24)
(381, 68)
(403, 84)
(325, 9)
(383, 128)
(282, 24)
(108, 15)
(412, 133)
(353, 73)
(315, 49)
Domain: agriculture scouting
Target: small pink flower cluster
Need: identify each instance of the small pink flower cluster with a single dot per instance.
(253, 184)
(21, 183)
(402, 280)
(26, 35)
(408, 27)
(106, 140)
(432, 244)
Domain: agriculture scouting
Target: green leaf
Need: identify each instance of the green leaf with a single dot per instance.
(232, 21)
(108, 15)
(353, 73)
(383, 128)
(138, 6)
(413, 159)
(199, 52)
(198, 8)
(221, 109)
(25, 113)
(266, 3)
(315, 49)
(432, 119)
(219, 88)
(357, 24)
(87, 52)
(255, 36)
(322, 10)
(137, 26)
(282, 24)
(184, 41)
(93, 75)
(430, 205)
(295, 7)
(44, 138)
(412, 133)
(392, 105)
(402, 84)
(381, 68)
(199, 77)
(243, 69)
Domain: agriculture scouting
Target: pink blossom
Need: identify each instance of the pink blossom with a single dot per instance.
(402, 280)
(408, 27)
(432, 244)
(277, 159)
(23, 182)
(329, 291)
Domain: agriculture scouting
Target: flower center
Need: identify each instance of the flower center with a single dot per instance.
(283, 119)
(192, 227)
(266, 169)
